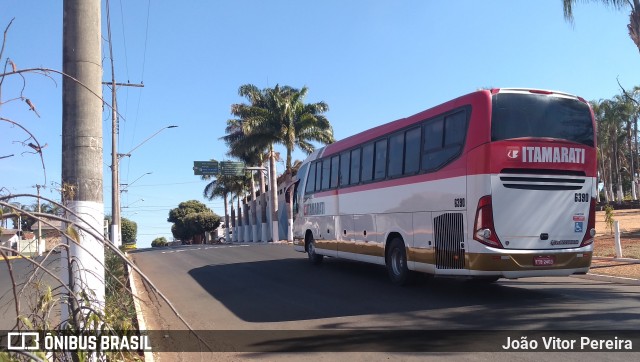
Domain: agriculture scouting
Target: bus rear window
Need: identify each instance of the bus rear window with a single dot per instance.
(517, 115)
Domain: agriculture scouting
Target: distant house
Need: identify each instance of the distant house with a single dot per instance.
(50, 233)
(9, 239)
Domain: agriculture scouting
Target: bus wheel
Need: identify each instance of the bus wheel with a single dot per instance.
(314, 258)
(397, 263)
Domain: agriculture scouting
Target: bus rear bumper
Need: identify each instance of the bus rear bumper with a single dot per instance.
(510, 264)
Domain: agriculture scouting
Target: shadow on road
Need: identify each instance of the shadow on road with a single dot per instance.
(292, 289)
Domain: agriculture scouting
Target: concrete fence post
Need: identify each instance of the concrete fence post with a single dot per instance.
(616, 228)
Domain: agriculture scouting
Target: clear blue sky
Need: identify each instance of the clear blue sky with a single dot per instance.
(372, 61)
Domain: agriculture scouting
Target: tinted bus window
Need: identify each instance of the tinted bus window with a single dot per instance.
(311, 180)
(345, 166)
(326, 173)
(455, 128)
(380, 168)
(516, 115)
(396, 150)
(367, 162)
(433, 135)
(335, 164)
(412, 151)
(318, 176)
(354, 177)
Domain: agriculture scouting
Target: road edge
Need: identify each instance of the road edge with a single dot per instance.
(142, 326)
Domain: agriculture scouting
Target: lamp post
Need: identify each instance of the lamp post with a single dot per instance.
(128, 206)
(123, 187)
(115, 183)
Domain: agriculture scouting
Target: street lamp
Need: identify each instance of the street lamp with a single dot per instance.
(128, 206)
(128, 154)
(123, 187)
(115, 183)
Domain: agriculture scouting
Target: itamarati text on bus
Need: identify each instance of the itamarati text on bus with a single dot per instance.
(495, 184)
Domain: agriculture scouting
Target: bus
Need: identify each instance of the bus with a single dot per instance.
(499, 183)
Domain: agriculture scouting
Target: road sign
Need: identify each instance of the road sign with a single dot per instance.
(229, 168)
(205, 167)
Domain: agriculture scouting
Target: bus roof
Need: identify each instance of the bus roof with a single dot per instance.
(475, 98)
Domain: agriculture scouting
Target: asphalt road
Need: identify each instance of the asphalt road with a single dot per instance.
(271, 288)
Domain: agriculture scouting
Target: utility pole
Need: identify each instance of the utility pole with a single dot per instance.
(116, 239)
(83, 264)
(38, 244)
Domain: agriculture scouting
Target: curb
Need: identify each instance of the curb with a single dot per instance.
(148, 355)
(609, 279)
(625, 260)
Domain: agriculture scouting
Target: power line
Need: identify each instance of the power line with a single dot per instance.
(124, 40)
(146, 38)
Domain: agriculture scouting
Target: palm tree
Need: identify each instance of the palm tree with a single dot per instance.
(276, 116)
(599, 113)
(306, 123)
(220, 187)
(252, 146)
(634, 15)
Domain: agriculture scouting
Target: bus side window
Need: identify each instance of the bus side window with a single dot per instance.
(335, 167)
(380, 168)
(455, 128)
(396, 150)
(431, 155)
(412, 151)
(311, 180)
(326, 173)
(345, 167)
(318, 175)
(354, 176)
(367, 162)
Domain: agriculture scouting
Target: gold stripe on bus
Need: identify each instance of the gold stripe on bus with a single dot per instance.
(362, 248)
(419, 255)
(516, 262)
(326, 244)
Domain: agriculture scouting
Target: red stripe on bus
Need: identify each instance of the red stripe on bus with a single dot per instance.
(480, 103)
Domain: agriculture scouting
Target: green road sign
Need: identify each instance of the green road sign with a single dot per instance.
(205, 167)
(229, 168)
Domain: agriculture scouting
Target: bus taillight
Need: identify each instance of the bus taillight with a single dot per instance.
(484, 230)
(591, 225)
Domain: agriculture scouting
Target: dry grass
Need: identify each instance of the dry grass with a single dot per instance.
(630, 234)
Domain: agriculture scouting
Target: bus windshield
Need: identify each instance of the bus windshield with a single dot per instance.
(517, 115)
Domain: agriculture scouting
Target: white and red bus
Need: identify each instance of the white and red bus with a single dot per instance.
(495, 184)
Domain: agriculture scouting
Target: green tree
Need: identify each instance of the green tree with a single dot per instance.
(129, 230)
(159, 242)
(634, 15)
(180, 229)
(199, 223)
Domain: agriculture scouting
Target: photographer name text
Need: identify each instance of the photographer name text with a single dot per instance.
(564, 344)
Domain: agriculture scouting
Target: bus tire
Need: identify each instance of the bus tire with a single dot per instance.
(314, 258)
(397, 263)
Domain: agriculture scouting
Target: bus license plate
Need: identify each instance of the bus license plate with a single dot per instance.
(543, 260)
